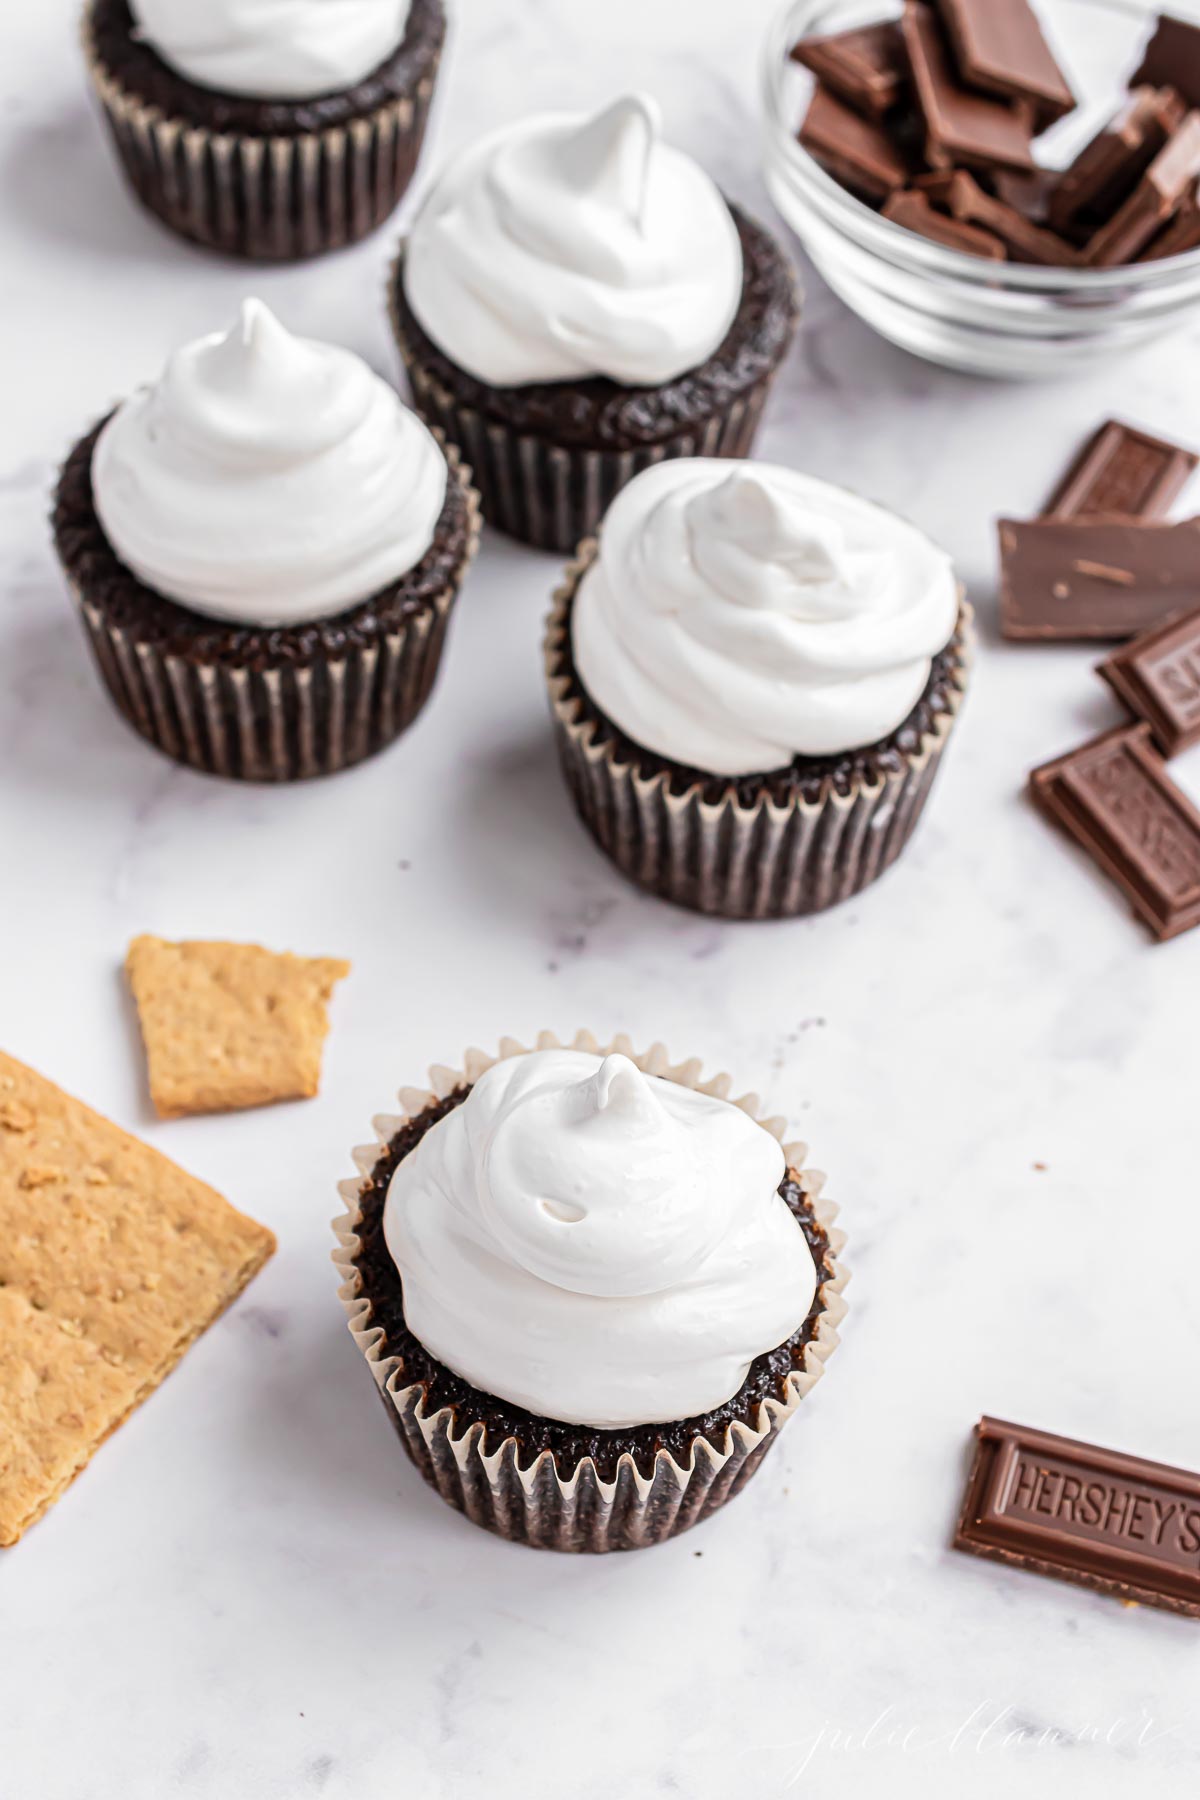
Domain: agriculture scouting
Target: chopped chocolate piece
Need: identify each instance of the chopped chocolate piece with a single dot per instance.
(959, 194)
(856, 151)
(912, 209)
(1000, 47)
(1123, 472)
(1107, 170)
(1095, 578)
(1173, 59)
(1182, 234)
(961, 126)
(1030, 195)
(1116, 799)
(1158, 678)
(1161, 191)
(867, 68)
(1115, 1523)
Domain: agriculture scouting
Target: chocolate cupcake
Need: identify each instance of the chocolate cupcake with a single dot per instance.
(265, 547)
(591, 1290)
(575, 302)
(261, 129)
(753, 677)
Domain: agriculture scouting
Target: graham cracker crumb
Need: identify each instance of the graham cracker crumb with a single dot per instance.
(40, 1175)
(97, 1303)
(14, 1116)
(230, 1025)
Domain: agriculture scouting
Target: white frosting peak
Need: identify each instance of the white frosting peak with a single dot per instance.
(739, 615)
(595, 1244)
(267, 479)
(272, 49)
(569, 246)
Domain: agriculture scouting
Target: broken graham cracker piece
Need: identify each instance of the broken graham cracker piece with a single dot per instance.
(112, 1260)
(230, 1025)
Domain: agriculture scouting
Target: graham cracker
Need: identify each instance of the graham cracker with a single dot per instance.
(230, 1025)
(112, 1260)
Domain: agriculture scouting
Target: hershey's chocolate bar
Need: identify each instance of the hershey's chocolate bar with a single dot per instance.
(1173, 58)
(868, 68)
(999, 46)
(858, 152)
(1081, 578)
(1158, 678)
(1107, 170)
(1123, 471)
(1116, 799)
(961, 125)
(1115, 1523)
(1166, 186)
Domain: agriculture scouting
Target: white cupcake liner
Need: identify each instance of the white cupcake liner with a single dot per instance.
(541, 1504)
(769, 860)
(553, 495)
(277, 719)
(275, 199)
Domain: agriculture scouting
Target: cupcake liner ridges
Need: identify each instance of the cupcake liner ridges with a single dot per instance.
(271, 198)
(550, 495)
(542, 1504)
(279, 718)
(716, 854)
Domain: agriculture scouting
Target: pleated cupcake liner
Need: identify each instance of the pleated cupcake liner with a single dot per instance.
(549, 495)
(276, 199)
(279, 720)
(542, 1502)
(769, 860)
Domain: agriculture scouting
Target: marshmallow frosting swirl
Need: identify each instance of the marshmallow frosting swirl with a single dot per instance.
(267, 479)
(596, 1245)
(739, 615)
(272, 49)
(569, 246)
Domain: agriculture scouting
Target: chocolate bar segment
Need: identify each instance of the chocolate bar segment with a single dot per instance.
(856, 151)
(1116, 799)
(1123, 471)
(959, 194)
(1173, 59)
(961, 126)
(1107, 1521)
(1161, 191)
(913, 210)
(1107, 170)
(1182, 234)
(1078, 579)
(1158, 678)
(1000, 47)
(867, 68)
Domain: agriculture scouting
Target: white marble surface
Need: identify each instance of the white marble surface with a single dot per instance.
(250, 1594)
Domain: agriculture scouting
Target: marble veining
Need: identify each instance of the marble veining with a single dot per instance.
(250, 1595)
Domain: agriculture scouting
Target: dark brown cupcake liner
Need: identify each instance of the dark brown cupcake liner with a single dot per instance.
(542, 1504)
(768, 860)
(274, 198)
(550, 495)
(283, 719)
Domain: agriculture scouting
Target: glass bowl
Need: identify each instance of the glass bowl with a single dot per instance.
(1006, 319)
